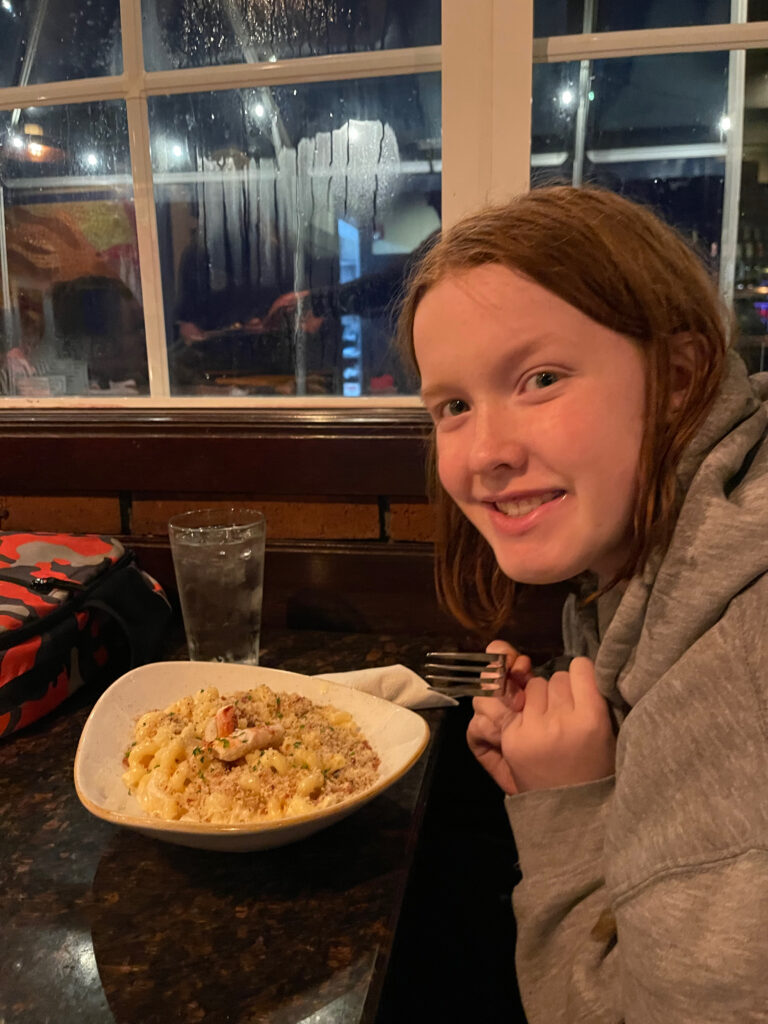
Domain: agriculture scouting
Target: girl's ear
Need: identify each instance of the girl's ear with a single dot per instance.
(682, 367)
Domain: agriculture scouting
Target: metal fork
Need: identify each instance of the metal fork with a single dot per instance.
(457, 674)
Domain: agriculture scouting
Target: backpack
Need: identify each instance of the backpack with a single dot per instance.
(75, 609)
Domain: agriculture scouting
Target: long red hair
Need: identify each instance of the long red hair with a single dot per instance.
(619, 264)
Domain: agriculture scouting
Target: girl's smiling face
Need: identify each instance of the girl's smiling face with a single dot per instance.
(539, 416)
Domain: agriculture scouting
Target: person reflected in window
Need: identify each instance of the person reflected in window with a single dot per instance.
(372, 295)
(218, 319)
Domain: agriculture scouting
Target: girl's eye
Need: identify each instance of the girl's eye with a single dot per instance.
(455, 407)
(542, 379)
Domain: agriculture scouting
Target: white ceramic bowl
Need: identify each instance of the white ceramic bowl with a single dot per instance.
(398, 736)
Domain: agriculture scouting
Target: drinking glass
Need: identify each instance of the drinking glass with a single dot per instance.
(218, 557)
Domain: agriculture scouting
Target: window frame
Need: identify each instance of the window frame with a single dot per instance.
(485, 59)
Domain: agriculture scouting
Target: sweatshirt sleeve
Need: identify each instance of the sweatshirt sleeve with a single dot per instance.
(566, 960)
(687, 945)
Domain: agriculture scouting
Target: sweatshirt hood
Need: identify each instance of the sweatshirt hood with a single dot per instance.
(719, 547)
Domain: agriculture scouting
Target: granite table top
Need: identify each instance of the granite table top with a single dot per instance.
(100, 924)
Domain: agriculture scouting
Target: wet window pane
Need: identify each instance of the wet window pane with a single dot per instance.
(195, 33)
(58, 40)
(72, 319)
(553, 114)
(641, 101)
(655, 130)
(572, 17)
(286, 220)
(751, 267)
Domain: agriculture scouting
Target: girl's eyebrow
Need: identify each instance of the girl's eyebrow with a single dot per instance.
(428, 394)
(507, 360)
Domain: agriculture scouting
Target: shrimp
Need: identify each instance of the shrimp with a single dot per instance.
(223, 723)
(242, 741)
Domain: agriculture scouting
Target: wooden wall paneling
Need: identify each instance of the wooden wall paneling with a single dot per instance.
(292, 452)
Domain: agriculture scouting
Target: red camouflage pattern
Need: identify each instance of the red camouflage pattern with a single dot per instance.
(53, 657)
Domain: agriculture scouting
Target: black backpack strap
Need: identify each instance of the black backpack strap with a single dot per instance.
(142, 611)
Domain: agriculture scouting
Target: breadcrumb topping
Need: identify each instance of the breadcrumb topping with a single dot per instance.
(323, 759)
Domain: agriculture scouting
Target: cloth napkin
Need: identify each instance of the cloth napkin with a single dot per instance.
(392, 682)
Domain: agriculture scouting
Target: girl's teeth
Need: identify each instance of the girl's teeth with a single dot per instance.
(525, 505)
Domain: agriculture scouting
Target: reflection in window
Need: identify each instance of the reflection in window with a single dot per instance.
(58, 40)
(72, 319)
(555, 101)
(751, 270)
(654, 130)
(188, 33)
(287, 218)
(572, 17)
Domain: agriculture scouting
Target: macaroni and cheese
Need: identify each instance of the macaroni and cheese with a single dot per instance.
(254, 756)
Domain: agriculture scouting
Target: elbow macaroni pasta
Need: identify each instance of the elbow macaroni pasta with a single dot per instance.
(322, 759)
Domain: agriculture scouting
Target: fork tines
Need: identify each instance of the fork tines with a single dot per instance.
(459, 674)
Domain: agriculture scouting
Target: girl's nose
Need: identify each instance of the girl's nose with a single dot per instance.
(496, 444)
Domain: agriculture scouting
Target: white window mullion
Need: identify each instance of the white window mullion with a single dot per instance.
(49, 94)
(734, 133)
(144, 201)
(511, 98)
(645, 42)
(331, 68)
(486, 50)
(5, 281)
(335, 67)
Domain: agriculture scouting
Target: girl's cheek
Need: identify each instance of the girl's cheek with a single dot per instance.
(449, 468)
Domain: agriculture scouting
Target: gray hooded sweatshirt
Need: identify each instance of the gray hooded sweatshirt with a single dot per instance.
(644, 896)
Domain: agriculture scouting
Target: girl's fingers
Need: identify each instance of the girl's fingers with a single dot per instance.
(489, 707)
(560, 694)
(482, 731)
(536, 698)
(516, 677)
(584, 683)
(521, 669)
(501, 647)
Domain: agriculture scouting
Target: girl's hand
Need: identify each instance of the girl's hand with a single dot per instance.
(563, 736)
(494, 714)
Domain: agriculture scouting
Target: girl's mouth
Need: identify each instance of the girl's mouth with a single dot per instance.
(523, 506)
